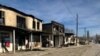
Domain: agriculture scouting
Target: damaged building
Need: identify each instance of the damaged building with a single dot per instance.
(53, 34)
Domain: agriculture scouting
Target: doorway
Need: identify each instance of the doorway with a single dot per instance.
(5, 41)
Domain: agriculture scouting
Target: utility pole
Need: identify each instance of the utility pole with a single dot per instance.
(88, 36)
(76, 28)
(85, 33)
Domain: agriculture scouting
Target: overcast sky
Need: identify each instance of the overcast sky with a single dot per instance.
(63, 11)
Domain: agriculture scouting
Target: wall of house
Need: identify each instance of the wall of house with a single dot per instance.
(40, 27)
(29, 22)
(10, 17)
(47, 28)
(11, 20)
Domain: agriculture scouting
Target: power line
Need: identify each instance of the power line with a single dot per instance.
(68, 9)
(93, 26)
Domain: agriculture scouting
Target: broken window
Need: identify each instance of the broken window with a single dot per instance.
(38, 25)
(34, 25)
(1, 17)
(21, 22)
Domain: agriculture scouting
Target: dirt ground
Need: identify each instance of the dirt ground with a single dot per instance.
(86, 50)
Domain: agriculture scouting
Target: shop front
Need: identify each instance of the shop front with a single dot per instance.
(5, 41)
(13, 39)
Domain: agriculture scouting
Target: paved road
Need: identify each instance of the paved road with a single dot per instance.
(87, 50)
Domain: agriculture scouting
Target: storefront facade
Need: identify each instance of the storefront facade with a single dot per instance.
(5, 41)
(18, 31)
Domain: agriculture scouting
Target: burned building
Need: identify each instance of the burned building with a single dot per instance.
(69, 37)
(53, 34)
(18, 30)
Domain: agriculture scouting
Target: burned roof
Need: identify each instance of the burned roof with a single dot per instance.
(69, 31)
(13, 9)
(54, 23)
(57, 23)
